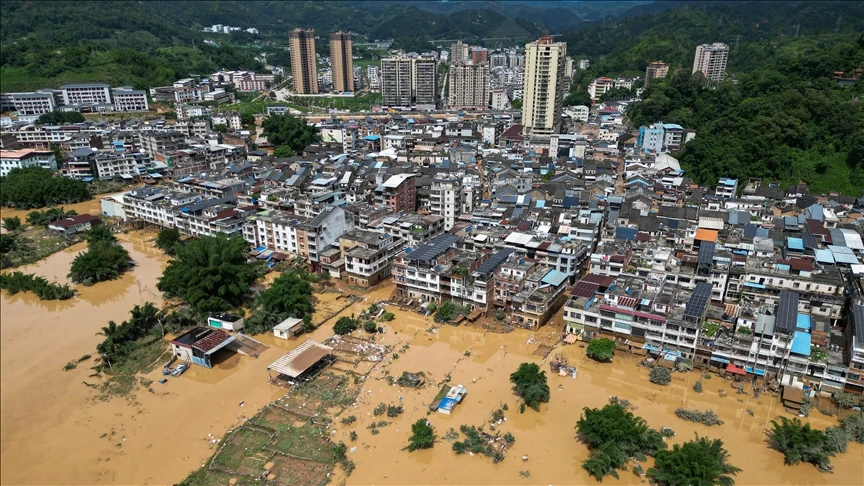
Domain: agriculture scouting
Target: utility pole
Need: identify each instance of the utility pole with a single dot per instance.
(797, 28)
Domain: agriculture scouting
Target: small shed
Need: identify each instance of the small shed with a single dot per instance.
(793, 398)
(225, 321)
(295, 363)
(199, 345)
(453, 397)
(75, 224)
(288, 328)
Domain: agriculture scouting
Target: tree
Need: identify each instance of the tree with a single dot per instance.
(34, 187)
(698, 462)
(167, 240)
(60, 118)
(103, 260)
(422, 436)
(843, 400)
(345, 325)
(800, 443)
(283, 151)
(307, 324)
(602, 349)
(854, 425)
(44, 218)
(370, 327)
(211, 273)
(12, 224)
(529, 382)
(446, 312)
(517, 104)
(614, 435)
(220, 127)
(660, 376)
(247, 120)
(99, 234)
(287, 130)
(7, 243)
(578, 98)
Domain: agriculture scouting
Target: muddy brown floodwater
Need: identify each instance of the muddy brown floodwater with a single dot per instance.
(54, 431)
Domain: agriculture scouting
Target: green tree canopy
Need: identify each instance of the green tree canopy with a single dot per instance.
(577, 98)
(289, 131)
(60, 117)
(700, 462)
(211, 273)
(35, 187)
(422, 436)
(529, 382)
(167, 240)
(288, 296)
(801, 443)
(346, 325)
(48, 216)
(602, 349)
(103, 260)
(12, 224)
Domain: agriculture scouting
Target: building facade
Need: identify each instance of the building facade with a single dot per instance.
(543, 86)
(396, 82)
(24, 158)
(656, 70)
(304, 66)
(711, 60)
(468, 86)
(342, 62)
(458, 52)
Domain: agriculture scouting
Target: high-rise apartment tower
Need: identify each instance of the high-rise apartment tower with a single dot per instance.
(468, 85)
(543, 86)
(341, 62)
(304, 68)
(711, 60)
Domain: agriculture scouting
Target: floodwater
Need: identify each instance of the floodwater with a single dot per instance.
(55, 432)
(93, 206)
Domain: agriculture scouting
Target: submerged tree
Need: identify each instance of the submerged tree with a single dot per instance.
(602, 349)
(698, 462)
(104, 259)
(167, 240)
(529, 382)
(422, 436)
(801, 443)
(211, 273)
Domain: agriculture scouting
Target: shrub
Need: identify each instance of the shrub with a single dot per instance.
(854, 424)
(660, 376)
(529, 382)
(422, 436)
(707, 417)
(349, 420)
(684, 365)
(345, 325)
(380, 409)
(388, 316)
(602, 349)
(697, 387)
(370, 327)
(394, 410)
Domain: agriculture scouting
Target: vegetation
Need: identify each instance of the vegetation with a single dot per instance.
(529, 383)
(35, 187)
(602, 349)
(615, 435)
(44, 218)
(20, 282)
(478, 442)
(287, 132)
(167, 239)
(422, 436)
(800, 443)
(60, 118)
(12, 224)
(290, 295)
(448, 311)
(708, 417)
(854, 424)
(388, 316)
(104, 259)
(844, 400)
(370, 327)
(346, 325)
(697, 387)
(701, 461)
(211, 273)
(660, 376)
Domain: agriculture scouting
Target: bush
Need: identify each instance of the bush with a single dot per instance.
(707, 417)
(684, 365)
(345, 325)
(349, 420)
(601, 349)
(800, 443)
(12, 224)
(102, 261)
(380, 409)
(167, 239)
(388, 316)
(394, 410)
(353, 436)
(660, 376)
(43, 289)
(370, 327)
(697, 387)
(854, 424)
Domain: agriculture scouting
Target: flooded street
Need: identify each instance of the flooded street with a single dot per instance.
(55, 431)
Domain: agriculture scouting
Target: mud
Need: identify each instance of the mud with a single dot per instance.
(55, 432)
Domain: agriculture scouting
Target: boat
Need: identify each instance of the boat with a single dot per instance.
(167, 369)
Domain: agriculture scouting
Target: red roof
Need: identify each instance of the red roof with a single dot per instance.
(601, 280)
(76, 220)
(211, 340)
(731, 368)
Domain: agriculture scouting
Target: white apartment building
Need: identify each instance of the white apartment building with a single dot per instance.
(122, 164)
(374, 75)
(275, 231)
(543, 86)
(468, 86)
(37, 103)
(127, 99)
(500, 100)
(600, 86)
(22, 159)
(711, 60)
(584, 64)
(86, 93)
(445, 199)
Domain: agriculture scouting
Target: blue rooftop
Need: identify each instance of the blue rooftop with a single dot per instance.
(803, 322)
(795, 244)
(554, 278)
(541, 203)
(801, 343)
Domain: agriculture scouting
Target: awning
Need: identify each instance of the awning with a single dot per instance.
(650, 348)
(221, 345)
(720, 359)
(731, 368)
(755, 372)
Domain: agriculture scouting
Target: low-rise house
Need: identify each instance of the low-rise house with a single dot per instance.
(223, 320)
(75, 224)
(199, 345)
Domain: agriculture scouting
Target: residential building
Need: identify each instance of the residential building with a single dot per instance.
(304, 66)
(374, 75)
(499, 59)
(322, 232)
(468, 86)
(342, 62)
(600, 86)
(711, 60)
(398, 192)
(367, 256)
(423, 271)
(85, 93)
(276, 231)
(656, 70)
(458, 52)
(500, 100)
(543, 295)
(24, 158)
(543, 87)
(727, 188)
(446, 200)
(128, 99)
(396, 82)
(424, 83)
(479, 55)
(584, 64)
(36, 103)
